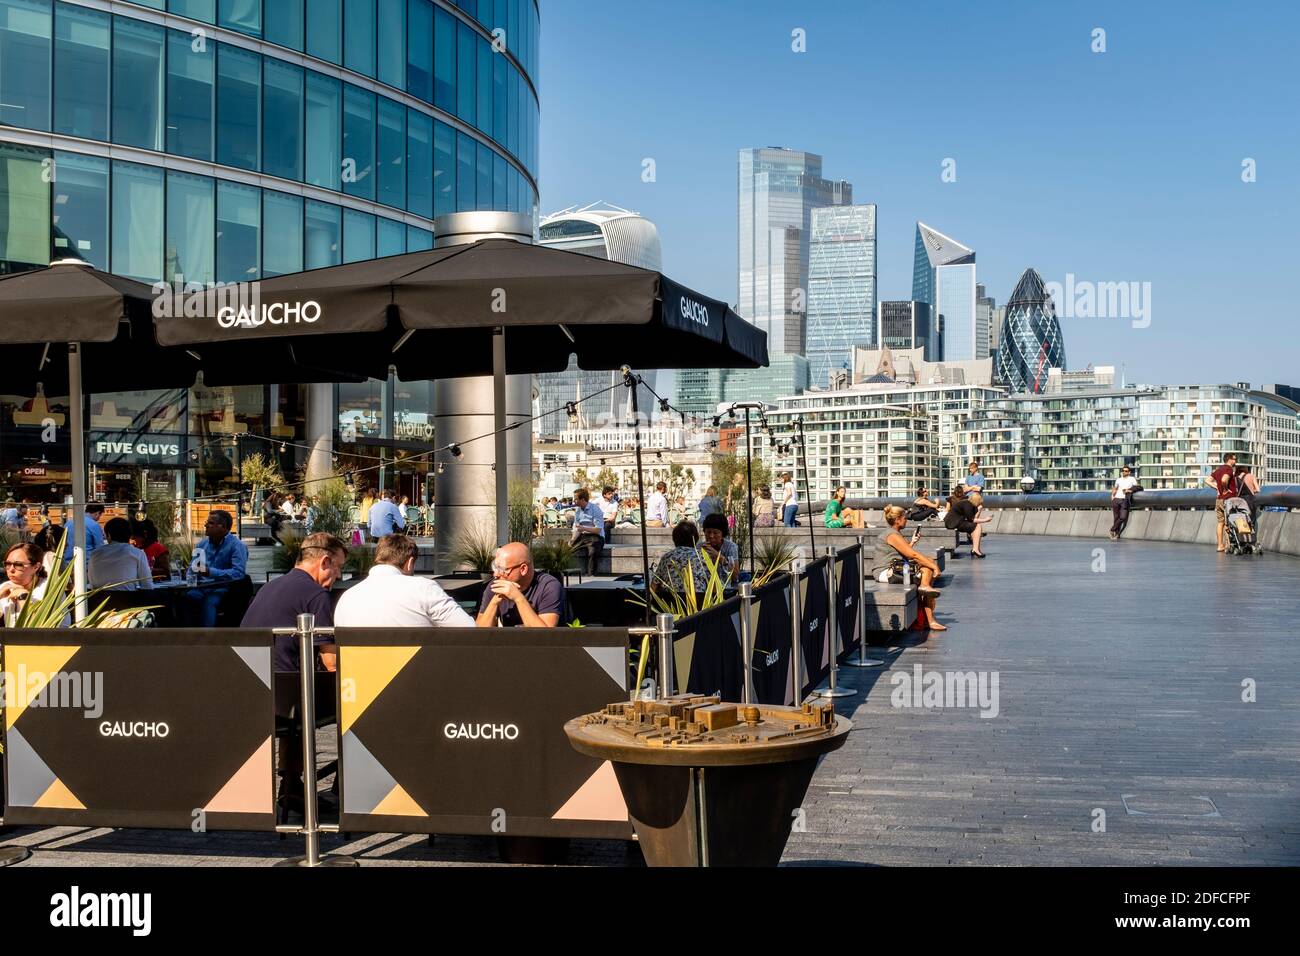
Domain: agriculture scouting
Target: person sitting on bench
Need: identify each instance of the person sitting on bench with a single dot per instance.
(922, 507)
(892, 550)
(962, 518)
(838, 516)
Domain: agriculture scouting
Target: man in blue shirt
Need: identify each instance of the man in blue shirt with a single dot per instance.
(588, 527)
(385, 517)
(94, 533)
(974, 480)
(225, 559)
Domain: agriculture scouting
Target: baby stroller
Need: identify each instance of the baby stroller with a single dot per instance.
(1241, 531)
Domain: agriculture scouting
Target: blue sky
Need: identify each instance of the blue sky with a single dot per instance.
(1117, 166)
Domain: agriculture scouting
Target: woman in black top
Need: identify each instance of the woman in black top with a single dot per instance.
(963, 516)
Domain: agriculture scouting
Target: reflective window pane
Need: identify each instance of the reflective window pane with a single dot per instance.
(81, 43)
(239, 106)
(324, 30)
(444, 60)
(500, 86)
(323, 236)
(282, 119)
(284, 22)
(191, 228)
(419, 163)
(483, 113)
(511, 141)
(24, 207)
(137, 221)
(358, 236)
(358, 142)
(324, 136)
(25, 39)
(466, 159)
(419, 49)
(466, 73)
(239, 232)
(484, 176)
(392, 42)
(359, 36)
(190, 76)
(418, 239)
(137, 83)
(390, 238)
(444, 169)
(205, 10)
(500, 191)
(242, 15)
(281, 234)
(80, 209)
(391, 154)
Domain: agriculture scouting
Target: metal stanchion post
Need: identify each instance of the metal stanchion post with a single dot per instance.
(832, 621)
(306, 632)
(747, 640)
(664, 628)
(796, 637)
(863, 660)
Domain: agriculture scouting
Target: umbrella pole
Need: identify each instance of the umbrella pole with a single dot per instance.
(749, 490)
(630, 381)
(501, 439)
(79, 496)
(807, 486)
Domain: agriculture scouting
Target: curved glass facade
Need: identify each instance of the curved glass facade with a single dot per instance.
(151, 144)
(1031, 342)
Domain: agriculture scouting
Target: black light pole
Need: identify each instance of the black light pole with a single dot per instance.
(749, 489)
(631, 381)
(803, 456)
(239, 505)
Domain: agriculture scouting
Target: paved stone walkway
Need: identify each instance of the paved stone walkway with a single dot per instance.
(1118, 691)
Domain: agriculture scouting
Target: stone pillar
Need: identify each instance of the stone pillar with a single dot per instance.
(466, 496)
(320, 433)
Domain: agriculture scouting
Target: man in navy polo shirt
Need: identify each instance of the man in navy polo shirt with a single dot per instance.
(520, 595)
(304, 590)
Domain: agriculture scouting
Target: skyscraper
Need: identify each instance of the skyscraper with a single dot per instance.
(841, 286)
(777, 189)
(606, 232)
(987, 323)
(943, 276)
(904, 324)
(1031, 341)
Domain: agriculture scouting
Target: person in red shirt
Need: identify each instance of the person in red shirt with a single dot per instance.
(1224, 481)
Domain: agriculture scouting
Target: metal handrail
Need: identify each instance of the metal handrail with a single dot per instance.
(1270, 496)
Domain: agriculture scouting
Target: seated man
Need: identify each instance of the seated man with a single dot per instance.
(119, 565)
(385, 517)
(520, 595)
(588, 528)
(391, 595)
(304, 590)
(224, 559)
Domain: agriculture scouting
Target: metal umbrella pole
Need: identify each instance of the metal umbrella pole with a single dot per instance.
(79, 495)
(807, 488)
(833, 622)
(862, 660)
(749, 491)
(311, 830)
(630, 381)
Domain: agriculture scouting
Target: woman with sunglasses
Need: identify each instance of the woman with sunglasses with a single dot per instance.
(26, 578)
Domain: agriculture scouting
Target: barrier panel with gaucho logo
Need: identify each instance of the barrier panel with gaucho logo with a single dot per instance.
(461, 730)
(139, 728)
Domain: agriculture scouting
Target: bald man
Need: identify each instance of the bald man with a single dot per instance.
(520, 595)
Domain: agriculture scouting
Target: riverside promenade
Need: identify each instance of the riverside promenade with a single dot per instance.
(1147, 713)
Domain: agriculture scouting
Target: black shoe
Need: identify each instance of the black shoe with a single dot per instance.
(978, 554)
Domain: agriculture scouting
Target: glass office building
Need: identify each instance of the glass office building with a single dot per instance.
(1031, 343)
(841, 287)
(224, 140)
(943, 277)
(777, 189)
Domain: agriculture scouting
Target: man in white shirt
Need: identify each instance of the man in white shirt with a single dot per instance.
(609, 509)
(1120, 498)
(656, 512)
(391, 595)
(789, 501)
(118, 565)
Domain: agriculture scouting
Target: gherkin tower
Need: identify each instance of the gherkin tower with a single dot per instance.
(1031, 337)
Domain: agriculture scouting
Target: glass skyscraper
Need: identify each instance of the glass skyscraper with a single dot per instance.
(777, 190)
(1031, 342)
(943, 277)
(841, 286)
(225, 140)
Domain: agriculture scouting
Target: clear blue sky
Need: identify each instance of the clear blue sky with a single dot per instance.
(1115, 166)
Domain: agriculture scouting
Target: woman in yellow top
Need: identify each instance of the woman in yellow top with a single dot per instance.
(838, 516)
(367, 500)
